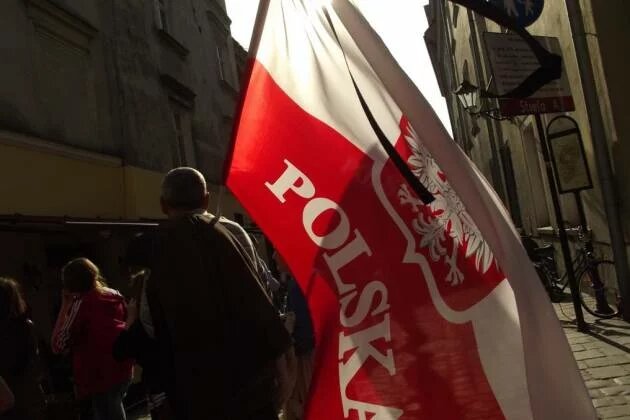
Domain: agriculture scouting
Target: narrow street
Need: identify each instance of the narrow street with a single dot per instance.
(603, 357)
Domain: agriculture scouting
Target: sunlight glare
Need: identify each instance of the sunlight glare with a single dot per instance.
(322, 3)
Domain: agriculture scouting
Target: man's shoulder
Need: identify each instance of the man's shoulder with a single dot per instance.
(228, 223)
(192, 228)
(188, 223)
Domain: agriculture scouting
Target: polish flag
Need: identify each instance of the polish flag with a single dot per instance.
(422, 309)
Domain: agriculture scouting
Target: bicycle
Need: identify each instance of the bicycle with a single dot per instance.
(596, 277)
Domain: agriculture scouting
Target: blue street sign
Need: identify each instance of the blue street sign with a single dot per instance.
(525, 12)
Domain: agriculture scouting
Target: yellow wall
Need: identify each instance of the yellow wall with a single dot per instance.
(60, 182)
(142, 192)
(42, 184)
(38, 183)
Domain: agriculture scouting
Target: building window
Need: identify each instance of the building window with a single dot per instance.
(223, 63)
(161, 15)
(64, 69)
(182, 147)
(179, 137)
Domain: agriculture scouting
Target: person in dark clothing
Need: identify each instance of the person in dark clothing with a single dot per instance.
(7, 399)
(137, 340)
(19, 355)
(300, 325)
(220, 338)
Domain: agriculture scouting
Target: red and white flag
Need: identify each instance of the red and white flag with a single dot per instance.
(421, 311)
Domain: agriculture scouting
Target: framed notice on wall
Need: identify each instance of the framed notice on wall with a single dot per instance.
(568, 156)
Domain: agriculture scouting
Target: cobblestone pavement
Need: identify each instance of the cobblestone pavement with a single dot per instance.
(603, 356)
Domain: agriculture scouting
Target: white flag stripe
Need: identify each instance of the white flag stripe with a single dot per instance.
(302, 65)
(555, 386)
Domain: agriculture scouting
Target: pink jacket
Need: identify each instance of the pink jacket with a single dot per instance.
(88, 327)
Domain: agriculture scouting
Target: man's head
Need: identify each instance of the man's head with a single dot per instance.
(183, 190)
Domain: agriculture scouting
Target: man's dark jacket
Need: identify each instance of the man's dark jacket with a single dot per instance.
(217, 331)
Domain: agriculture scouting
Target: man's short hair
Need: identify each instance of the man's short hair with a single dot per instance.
(184, 189)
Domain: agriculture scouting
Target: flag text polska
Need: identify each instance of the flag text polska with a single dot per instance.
(345, 246)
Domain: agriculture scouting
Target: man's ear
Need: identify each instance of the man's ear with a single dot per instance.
(164, 206)
(206, 201)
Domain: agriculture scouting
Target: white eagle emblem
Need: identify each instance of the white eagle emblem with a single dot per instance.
(445, 219)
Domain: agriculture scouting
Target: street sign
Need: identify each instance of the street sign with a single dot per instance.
(525, 12)
(512, 61)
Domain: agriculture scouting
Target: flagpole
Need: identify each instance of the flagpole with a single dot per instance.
(259, 24)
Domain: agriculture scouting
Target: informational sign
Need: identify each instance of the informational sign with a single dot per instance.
(512, 61)
(525, 12)
(568, 157)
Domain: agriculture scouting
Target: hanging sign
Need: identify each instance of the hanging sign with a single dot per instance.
(512, 61)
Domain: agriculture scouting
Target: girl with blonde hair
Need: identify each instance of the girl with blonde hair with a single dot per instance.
(91, 317)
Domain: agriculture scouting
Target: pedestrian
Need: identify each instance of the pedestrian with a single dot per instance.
(137, 340)
(20, 366)
(300, 325)
(220, 338)
(245, 241)
(249, 247)
(90, 319)
(7, 399)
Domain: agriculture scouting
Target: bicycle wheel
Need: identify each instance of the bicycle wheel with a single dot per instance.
(598, 290)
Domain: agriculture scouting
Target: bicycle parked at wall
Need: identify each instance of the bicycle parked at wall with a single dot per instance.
(596, 277)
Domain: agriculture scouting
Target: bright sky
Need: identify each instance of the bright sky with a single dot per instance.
(401, 25)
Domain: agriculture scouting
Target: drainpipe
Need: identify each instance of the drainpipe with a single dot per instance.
(600, 148)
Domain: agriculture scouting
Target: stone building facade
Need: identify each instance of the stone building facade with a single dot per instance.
(508, 152)
(140, 86)
(98, 99)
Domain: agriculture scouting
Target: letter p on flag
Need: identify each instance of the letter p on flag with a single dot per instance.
(459, 326)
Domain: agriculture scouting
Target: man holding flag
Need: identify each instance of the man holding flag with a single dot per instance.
(424, 303)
